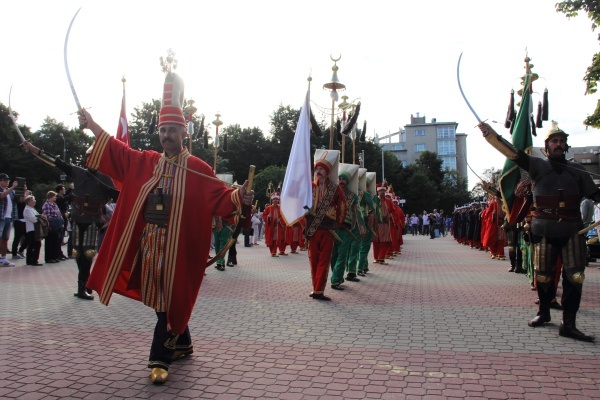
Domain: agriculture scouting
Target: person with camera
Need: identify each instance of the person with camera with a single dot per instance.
(8, 213)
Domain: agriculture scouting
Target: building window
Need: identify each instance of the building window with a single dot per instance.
(586, 160)
(446, 132)
(446, 147)
(420, 147)
(448, 162)
(420, 132)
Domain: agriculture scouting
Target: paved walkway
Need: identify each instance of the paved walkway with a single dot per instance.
(441, 321)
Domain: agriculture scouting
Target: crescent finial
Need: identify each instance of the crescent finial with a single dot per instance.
(333, 59)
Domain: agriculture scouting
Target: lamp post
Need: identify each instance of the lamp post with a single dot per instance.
(217, 123)
(190, 110)
(334, 85)
(64, 147)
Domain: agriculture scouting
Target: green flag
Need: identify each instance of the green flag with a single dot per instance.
(521, 139)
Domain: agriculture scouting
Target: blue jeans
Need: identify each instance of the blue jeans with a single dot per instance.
(5, 225)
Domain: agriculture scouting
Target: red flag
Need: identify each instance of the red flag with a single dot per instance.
(122, 130)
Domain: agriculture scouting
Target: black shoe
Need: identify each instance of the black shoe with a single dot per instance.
(220, 267)
(574, 333)
(35, 264)
(555, 305)
(83, 295)
(229, 264)
(320, 297)
(62, 258)
(51, 261)
(352, 278)
(337, 287)
(360, 273)
(511, 269)
(539, 320)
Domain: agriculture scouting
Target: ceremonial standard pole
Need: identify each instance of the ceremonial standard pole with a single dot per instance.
(333, 85)
(217, 123)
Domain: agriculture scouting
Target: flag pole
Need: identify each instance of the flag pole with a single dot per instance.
(217, 122)
(333, 85)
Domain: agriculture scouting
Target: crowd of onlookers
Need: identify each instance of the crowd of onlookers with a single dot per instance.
(433, 224)
(33, 225)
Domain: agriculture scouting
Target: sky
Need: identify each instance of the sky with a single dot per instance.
(243, 59)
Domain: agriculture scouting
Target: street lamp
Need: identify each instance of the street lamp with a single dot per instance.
(64, 147)
(333, 85)
(217, 123)
(189, 111)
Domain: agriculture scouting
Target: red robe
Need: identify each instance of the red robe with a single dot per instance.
(274, 231)
(195, 199)
(294, 236)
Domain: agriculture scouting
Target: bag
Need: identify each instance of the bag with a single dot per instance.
(41, 228)
(156, 210)
(56, 224)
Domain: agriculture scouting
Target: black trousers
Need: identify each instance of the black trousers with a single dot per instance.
(164, 343)
(33, 249)
(19, 233)
(52, 246)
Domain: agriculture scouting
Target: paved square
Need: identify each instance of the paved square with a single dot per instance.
(441, 321)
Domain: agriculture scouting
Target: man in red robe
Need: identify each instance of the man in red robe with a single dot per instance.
(328, 211)
(159, 235)
(382, 242)
(274, 227)
(294, 236)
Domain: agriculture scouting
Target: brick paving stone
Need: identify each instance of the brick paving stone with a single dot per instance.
(418, 327)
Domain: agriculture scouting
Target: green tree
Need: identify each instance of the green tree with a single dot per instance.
(272, 174)
(571, 8)
(283, 128)
(453, 191)
(245, 147)
(421, 193)
(139, 125)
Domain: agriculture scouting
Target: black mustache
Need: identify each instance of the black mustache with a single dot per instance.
(167, 140)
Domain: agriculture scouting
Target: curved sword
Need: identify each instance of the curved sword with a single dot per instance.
(44, 158)
(67, 63)
(12, 117)
(461, 89)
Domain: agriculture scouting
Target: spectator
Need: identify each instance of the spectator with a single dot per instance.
(31, 216)
(53, 240)
(19, 243)
(425, 223)
(8, 213)
(256, 223)
(414, 224)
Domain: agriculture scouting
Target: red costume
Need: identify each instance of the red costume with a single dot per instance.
(194, 200)
(274, 229)
(294, 236)
(320, 245)
(493, 236)
(382, 242)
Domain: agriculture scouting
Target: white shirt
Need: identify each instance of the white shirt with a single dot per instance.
(9, 206)
(30, 216)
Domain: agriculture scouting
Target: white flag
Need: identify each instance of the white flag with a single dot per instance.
(296, 193)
